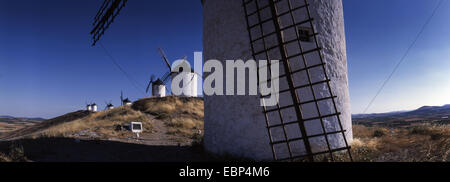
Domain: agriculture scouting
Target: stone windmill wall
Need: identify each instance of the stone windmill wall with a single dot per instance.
(237, 125)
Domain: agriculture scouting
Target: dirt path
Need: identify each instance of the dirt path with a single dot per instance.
(158, 136)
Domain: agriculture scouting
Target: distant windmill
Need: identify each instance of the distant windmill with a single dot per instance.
(94, 107)
(109, 105)
(190, 89)
(158, 87)
(121, 98)
(126, 101)
(88, 107)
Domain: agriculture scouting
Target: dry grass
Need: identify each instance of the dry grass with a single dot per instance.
(14, 126)
(4, 158)
(410, 144)
(182, 116)
(101, 122)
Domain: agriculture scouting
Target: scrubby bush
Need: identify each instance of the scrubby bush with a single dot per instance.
(378, 133)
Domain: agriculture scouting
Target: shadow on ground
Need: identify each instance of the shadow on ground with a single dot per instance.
(71, 150)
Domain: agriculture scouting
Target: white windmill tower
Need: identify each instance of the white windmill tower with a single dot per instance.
(88, 107)
(94, 107)
(190, 78)
(313, 116)
(158, 87)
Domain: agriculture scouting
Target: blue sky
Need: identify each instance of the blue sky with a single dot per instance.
(378, 33)
(48, 67)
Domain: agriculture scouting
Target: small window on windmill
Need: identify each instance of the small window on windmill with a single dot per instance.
(304, 34)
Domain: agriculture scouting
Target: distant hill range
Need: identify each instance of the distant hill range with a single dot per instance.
(425, 114)
(12, 119)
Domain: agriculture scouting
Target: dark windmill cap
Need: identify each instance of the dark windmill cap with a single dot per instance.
(158, 82)
(180, 66)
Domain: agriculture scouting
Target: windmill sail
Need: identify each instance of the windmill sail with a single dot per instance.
(121, 98)
(189, 85)
(150, 83)
(166, 77)
(105, 16)
(164, 57)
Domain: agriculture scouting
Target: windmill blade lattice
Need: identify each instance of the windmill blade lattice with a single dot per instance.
(265, 40)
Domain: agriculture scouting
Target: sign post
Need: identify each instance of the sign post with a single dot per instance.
(136, 127)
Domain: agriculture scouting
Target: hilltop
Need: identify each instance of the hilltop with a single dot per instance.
(180, 116)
